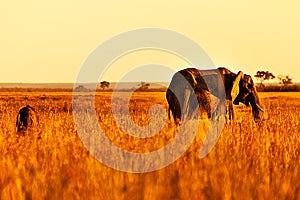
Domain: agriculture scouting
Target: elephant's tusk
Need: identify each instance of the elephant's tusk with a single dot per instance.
(259, 108)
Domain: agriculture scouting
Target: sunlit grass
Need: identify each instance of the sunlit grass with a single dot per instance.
(250, 161)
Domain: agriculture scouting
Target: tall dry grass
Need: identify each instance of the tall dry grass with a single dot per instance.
(250, 161)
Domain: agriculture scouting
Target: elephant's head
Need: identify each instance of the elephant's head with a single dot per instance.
(244, 91)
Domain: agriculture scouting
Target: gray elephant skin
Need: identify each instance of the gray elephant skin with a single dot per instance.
(192, 87)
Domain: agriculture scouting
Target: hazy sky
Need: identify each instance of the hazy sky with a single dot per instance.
(47, 41)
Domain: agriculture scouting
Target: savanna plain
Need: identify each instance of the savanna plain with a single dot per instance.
(249, 161)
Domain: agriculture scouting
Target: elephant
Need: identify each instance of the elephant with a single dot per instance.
(221, 84)
(26, 118)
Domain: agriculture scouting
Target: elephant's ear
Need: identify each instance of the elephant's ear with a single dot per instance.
(236, 85)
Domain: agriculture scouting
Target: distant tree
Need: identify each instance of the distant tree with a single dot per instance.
(143, 86)
(104, 84)
(263, 76)
(285, 79)
(81, 88)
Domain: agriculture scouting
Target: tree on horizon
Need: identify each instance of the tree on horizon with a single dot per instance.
(263, 76)
(143, 86)
(285, 79)
(104, 84)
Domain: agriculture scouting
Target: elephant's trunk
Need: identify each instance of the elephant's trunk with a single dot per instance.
(257, 110)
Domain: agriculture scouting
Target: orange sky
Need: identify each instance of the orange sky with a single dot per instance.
(45, 41)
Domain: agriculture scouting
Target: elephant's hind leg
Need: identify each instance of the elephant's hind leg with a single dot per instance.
(229, 112)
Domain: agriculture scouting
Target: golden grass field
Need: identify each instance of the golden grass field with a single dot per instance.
(249, 161)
